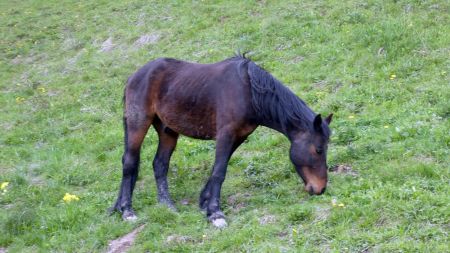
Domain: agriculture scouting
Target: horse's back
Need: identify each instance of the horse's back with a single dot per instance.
(190, 98)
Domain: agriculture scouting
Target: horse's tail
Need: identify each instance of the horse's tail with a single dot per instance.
(124, 118)
(127, 100)
(135, 99)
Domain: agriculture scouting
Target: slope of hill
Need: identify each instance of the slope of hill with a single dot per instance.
(381, 66)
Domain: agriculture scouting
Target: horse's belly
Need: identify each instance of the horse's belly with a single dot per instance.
(192, 122)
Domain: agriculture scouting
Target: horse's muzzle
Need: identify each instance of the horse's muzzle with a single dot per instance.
(315, 190)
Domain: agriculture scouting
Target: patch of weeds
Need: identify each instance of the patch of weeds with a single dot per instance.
(19, 221)
(299, 213)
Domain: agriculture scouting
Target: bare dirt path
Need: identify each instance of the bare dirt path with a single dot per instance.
(122, 244)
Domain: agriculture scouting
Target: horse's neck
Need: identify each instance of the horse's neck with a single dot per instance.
(291, 126)
(277, 127)
(289, 132)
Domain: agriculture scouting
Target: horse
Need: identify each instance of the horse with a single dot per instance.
(224, 101)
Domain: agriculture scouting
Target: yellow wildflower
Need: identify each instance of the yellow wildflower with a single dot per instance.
(386, 126)
(294, 231)
(4, 185)
(41, 89)
(333, 202)
(70, 197)
(20, 99)
(351, 117)
(392, 76)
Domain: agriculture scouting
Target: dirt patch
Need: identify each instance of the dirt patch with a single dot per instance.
(297, 59)
(38, 145)
(7, 125)
(53, 93)
(367, 249)
(425, 159)
(434, 7)
(71, 43)
(282, 234)
(16, 61)
(267, 219)
(72, 61)
(238, 207)
(6, 207)
(321, 84)
(20, 59)
(123, 243)
(336, 87)
(141, 20)
(223, 19)
(37, 180)
(107, 45)
(146, 39)
(178, 239)
(344, 169)
(185, 202)
(237, 201)
(321, 213)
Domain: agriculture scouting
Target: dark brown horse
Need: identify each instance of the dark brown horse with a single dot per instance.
(225, 101)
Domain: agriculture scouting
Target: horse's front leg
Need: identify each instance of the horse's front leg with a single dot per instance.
(210, 196)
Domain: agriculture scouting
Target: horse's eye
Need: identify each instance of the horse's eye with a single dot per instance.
(319, 151)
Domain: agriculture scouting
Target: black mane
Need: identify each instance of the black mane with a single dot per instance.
(275, 104)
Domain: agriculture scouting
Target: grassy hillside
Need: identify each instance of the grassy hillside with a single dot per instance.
(382, 67)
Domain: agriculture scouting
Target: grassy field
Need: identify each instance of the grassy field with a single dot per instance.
(383, 68)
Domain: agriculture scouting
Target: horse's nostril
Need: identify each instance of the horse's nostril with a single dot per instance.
(323, 190)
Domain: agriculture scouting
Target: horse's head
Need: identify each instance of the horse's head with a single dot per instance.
(309, 155)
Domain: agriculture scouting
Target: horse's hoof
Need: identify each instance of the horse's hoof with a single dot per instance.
(172, 208)
(218, 220)
(128, 215)
(219, 223)
(169, 204)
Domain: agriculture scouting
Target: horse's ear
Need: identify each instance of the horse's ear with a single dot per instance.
(329, 118)
(318, 123)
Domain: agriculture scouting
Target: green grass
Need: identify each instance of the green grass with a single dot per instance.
(61, 128)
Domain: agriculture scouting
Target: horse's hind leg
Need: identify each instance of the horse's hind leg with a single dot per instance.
(136, 127)
(167, 143)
